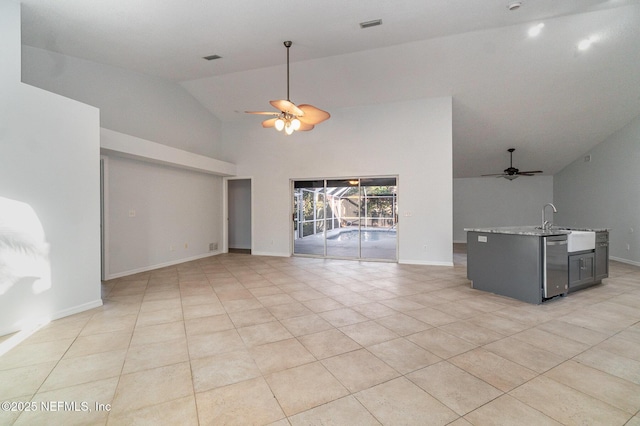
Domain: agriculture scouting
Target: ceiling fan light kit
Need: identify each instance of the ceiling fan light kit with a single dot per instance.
(288, 122)
(511, 172)
(292, 118)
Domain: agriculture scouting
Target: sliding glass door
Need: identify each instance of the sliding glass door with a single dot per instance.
(309, 217)
(352, 218)
(379, 208)
(343, 199)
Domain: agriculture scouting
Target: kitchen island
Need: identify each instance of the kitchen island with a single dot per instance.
(529, 263)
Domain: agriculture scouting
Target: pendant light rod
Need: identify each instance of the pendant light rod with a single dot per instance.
(288, 44)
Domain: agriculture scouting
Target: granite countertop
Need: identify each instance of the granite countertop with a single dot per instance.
(521, 230)
(582, 229)
(532, 230)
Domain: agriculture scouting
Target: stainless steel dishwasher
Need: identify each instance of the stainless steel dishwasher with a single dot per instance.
(555, 268)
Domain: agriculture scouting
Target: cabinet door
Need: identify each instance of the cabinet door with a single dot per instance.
(586, 269)
(581, 269)
(601, 261)
(574, 270)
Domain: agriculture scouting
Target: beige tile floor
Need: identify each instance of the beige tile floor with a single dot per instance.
(240, 339)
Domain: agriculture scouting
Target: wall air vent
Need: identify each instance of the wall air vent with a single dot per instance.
(212, 57)
(369, 24)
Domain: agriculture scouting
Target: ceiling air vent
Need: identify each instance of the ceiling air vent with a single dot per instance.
(514, 5)
(212, 57)
(369, 24)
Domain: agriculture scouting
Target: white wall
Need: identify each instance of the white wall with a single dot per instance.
(131, 103)
(49, 168)
(411, 139)
(491, 202)
(112, 142)
(172, 207)
(605, 192)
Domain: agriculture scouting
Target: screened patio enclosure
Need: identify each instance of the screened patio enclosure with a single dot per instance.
(352, 218)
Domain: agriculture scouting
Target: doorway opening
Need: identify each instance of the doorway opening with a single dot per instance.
(104, 218)
(239, 215)
(352, 218)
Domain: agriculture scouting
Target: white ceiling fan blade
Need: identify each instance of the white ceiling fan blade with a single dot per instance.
(313, 115)
(269, 123)
(305, 126)
(287, 107)
(274, 113)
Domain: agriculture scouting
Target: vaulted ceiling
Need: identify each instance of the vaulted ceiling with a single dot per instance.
(542, 95)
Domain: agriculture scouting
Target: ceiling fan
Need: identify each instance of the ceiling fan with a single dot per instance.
(291, 117)
(512, 173)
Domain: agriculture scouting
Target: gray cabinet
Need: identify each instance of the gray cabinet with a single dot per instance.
(587, 268)
(601, 256)
(526, 267)
(581, 269)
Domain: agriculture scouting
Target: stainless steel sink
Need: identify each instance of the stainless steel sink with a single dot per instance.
(581, 240)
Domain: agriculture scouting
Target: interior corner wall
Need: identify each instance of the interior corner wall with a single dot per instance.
(132, 103)
(49, 190)
(9, 43)
(605, 192)
(174, 207)
(160, 215)
(411, 139)
(491, 202)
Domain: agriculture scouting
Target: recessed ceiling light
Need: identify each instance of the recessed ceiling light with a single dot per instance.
(515, 5)
(584, 44)
(212, 57)
(587, 42)
(535, 30)
(369, 24)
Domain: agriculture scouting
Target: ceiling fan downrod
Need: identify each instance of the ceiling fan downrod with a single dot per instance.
(288, 44)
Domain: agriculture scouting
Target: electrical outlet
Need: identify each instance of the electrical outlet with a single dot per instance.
(186, 245)
(132, 213)
(628, 247)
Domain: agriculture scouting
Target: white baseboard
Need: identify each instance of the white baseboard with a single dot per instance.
(424, 262)
(161, 265)
(270, 253)
(57, 315)
(77, 309)
(627, 261)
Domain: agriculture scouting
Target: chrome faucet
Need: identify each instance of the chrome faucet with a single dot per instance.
(545, 223)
